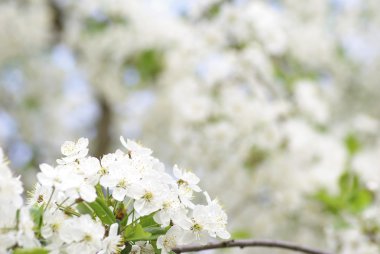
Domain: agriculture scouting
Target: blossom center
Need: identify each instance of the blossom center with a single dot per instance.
(181, 182)
(148, 196)
(169, 242)
(87, 238)
(196, 227)
(122, 184)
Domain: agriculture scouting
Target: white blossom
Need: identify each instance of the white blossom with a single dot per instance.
(170, 240)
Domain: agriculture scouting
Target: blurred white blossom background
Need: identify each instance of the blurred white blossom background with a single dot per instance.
(273, 103)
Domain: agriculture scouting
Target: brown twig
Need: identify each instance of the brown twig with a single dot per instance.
(103, 127)
(249, 243)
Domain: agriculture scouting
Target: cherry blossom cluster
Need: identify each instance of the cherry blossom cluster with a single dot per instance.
(218, 77)
(125, 202)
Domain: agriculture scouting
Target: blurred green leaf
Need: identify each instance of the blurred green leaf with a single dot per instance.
(36, 213)
(241, 234)
(32, 103)
(255, 157)
(95, 26)
(31, 251)
(331, 203)
(134, 233)
(213, 10)
(352, 144)
(85, 208)
(149, 63)
(353, 196)
(348, 183)
(99, 192)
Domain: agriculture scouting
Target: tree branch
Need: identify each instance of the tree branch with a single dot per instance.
(249, 243)
(103, 127)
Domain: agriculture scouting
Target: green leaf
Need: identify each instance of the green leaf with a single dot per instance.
(213, 10)
(331, 203)
(353, 196)
(348, 183)
(31, 251)
(99, 192)
(156, 250)
(37, 214)
(149, 63)
(95, 26)
(157, 231)
(360, 200)
(352, 144)
(255, 157)
(84, 208)
(102, 211)
(147, 221)
(241, 234)
(134, 233)
(127, 249)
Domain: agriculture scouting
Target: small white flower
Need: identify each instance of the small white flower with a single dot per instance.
(187, 183)
(217, 219)
(151, 197)
(10, 195)
(82, 234)
(144, 247)
(122, 179)
(25, 233)
(198, 230)
(7, 240)
(39, 195)
(135, 249)
(186, 178)
(113, 243)
(172, 211)
(134, 148)
(74, 150)
(52, 223)
(10, 189)
(61, 177)
(87, 192)
(110, 160)
(89, 168)
(170, 240)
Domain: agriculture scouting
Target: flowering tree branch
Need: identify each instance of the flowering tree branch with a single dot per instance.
(249, 243)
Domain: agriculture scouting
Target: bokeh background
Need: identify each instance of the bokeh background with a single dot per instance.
(274, 103)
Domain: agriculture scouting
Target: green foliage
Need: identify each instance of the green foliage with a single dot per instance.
(241, 234)
(255, 157)
(32, 102)
(31, 251)
(99, 192)
(213, 10)
(288, 71)
(147, 221)
(146, 229)
(102, 211)
(95, 26)
(353, 196)
(36, 213)
(149, 63)
(135, 233)
(127, 249)
(85, 208)
(352, 144)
